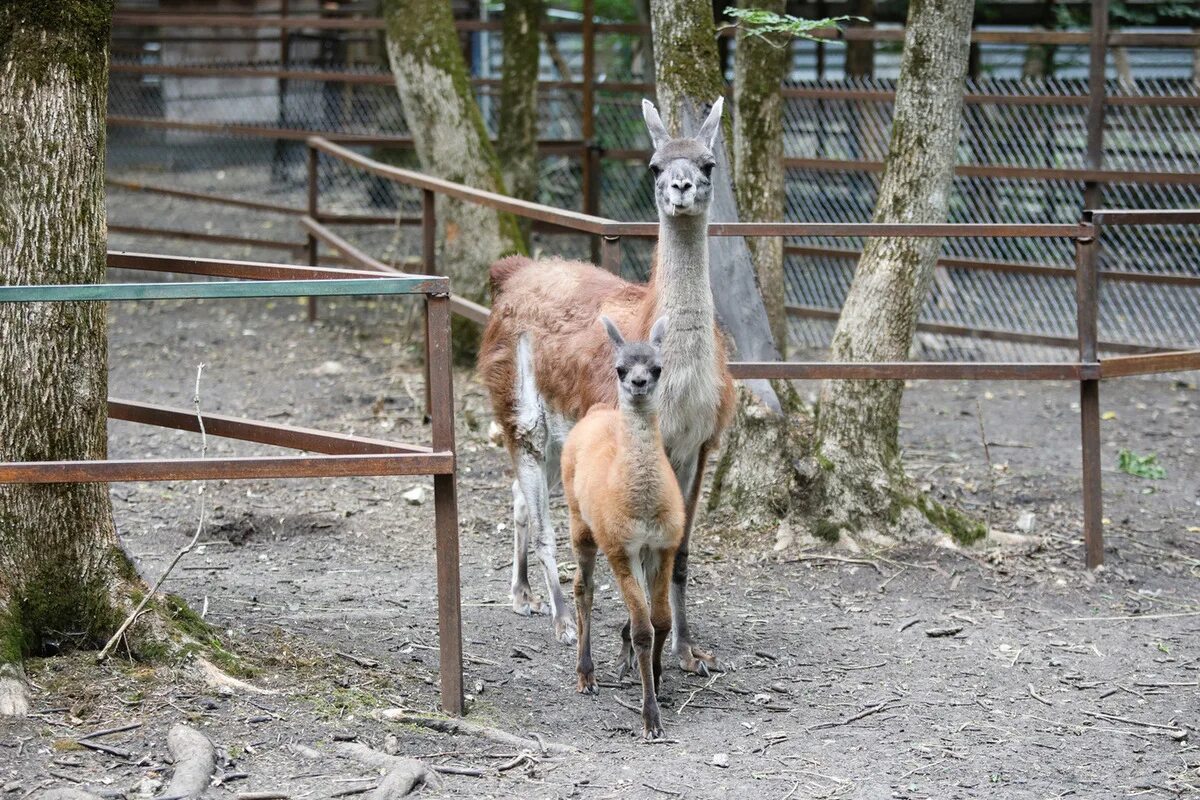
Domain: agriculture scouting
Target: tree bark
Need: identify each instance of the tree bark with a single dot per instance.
(518, 99)
(451, 142)
(845, 474)
(687, 80)
(759, 68)
(61, 569)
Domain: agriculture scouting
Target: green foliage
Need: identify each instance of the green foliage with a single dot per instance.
(768, 24)
(1146, 466)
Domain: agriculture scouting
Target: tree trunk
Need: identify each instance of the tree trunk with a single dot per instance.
(860, 54)
(688, 79)
(847, 475)
(518, 99)
(451, 142)
(62, 571)
(759, 68)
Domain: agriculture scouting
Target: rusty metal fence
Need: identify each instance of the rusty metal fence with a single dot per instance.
(328, 454)
(1031, 150)
(1087, 369)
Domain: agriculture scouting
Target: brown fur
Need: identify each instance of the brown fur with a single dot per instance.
(559, 302)
(622, 499)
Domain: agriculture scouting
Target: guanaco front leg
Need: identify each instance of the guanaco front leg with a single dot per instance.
(642, 633)
(585, 558)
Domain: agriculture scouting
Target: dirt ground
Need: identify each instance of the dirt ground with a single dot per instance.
(1056, 683)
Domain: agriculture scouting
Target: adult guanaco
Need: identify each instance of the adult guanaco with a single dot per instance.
(624, 499)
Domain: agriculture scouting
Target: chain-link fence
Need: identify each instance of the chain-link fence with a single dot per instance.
(1022, 157)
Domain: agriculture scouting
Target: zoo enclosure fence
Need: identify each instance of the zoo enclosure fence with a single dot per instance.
(328, 454)
(1031, 150)
(1088, 370)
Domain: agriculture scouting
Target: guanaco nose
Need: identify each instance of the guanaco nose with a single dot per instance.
(681, 185)
(639, 381)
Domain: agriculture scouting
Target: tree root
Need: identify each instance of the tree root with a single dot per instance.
(14, 697)
(458, 726)
(219, 679)
(195, 762)
(403, 775)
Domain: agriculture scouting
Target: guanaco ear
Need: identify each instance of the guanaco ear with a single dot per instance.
(613, 333)
(712, 125)
(659, 331)
(654, 124)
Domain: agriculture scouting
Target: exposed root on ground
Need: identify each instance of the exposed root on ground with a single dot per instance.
(217, 678)
(458, 726)
(195, 762)
(402, 775)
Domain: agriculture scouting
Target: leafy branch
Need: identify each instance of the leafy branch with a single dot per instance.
(771, 26)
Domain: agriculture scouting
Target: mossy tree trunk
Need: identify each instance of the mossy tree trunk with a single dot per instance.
(760, 66)
(63, 577)
(451, 142)
(844, 474)
(517, 139)
(687, 80)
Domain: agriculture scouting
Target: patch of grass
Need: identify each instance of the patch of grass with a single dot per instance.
(1146, 466)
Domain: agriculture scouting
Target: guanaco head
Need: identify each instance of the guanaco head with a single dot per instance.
(638, 364)
(683, 167)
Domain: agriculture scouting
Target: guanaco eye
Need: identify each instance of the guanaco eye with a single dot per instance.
(622, 372)
(656, 169)
(656, 371)
(707, 170)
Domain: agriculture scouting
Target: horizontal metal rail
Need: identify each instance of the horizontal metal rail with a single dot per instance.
(228, 268)
(572, 220)
(415, 284)
(1111, 216)
(226, 20)
(295, 438)
(912, 370)
(957, 262)
(205, 469)
(990, 98)
(1011, 172)
(992, 334)
(1151, 364)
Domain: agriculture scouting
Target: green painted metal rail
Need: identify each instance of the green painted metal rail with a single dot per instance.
(194, 290)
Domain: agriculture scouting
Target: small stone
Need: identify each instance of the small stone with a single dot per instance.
(329, 368)
(1025, 521)
(391, 745)
(415, 496)
(721, 760)
(11, 786)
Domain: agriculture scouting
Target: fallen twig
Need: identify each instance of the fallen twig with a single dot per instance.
(458, 726)
(875, 709)
(109, 731)
(1037, 696)
(403, 774)
(840, 559)
(103, 748)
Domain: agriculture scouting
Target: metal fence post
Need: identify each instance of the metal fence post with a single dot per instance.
(610, 254)
(1098, 55)
(1087, 313)
(445, 503)
(313, 211)
(429, 267)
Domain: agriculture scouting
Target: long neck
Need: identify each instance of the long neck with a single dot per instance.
(681, 281)
(639, 438)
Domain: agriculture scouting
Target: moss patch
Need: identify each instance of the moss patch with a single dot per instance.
(960, 527)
